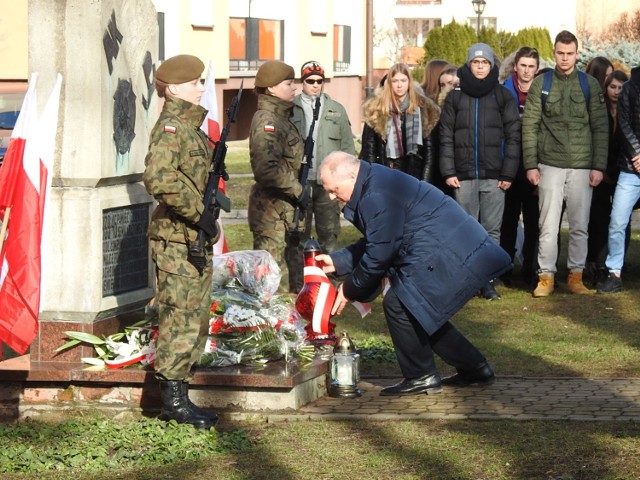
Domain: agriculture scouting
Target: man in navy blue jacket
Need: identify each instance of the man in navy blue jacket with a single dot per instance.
(435, 257)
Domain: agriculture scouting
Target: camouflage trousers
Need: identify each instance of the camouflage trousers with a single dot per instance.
(270, 221)
(184, 302)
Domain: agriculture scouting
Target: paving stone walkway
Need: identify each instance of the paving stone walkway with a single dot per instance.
(512, 398)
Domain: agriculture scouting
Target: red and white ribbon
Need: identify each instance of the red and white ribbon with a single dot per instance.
(324, 301)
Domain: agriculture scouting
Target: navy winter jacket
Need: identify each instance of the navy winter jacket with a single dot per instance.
(480, 136)
(435, 255)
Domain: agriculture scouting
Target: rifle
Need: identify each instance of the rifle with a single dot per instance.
(307, 164)
(214, 198)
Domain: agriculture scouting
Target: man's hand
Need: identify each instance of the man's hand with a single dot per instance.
(326, 263)
(504, 185)
(595, 177)
(533, 176)
(453, 182)
(635, 161)
(340, 302)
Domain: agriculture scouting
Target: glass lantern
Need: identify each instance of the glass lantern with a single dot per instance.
(345, 369)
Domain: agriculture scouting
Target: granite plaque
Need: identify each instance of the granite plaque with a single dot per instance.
(125, 249)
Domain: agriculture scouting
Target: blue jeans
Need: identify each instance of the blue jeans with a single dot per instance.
(625, 197)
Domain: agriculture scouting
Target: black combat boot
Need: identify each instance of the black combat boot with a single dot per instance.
(196, 409)
(175, 405)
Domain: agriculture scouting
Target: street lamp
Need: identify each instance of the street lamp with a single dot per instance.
(478, 7)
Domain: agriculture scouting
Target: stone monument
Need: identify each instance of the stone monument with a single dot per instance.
(96, 261)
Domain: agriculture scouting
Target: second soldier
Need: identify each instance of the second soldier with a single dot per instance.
(276, 151)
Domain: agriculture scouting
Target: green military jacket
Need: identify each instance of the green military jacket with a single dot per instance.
(566, 132)
(276, 151)
(177, 170)
(333, 127)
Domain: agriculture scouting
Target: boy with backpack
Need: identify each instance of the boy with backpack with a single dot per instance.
(565, 133)
(480, 143)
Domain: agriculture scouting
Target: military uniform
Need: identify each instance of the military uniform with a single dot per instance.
(276, 151)
(177, 169)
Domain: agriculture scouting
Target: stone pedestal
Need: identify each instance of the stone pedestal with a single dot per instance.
(55, 389)
(96, 265)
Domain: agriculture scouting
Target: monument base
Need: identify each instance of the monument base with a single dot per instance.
(55, 389)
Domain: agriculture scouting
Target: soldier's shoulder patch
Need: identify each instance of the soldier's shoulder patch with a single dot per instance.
(170, 129)
(269, 128)
(601, 97)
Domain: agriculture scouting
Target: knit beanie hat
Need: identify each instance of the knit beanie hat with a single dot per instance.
(272, 72)
(311, 68)
(481, 50)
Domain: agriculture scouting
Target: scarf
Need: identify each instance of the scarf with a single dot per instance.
(396, 148)
(474, 87)
(308, 104)
(522, 96)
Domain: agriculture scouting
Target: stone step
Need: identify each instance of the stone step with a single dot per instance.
(41, 388)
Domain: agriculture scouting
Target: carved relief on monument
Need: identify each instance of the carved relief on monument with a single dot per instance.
(131, 71)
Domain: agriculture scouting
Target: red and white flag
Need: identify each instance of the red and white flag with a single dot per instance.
(23, 189)
(211, 126)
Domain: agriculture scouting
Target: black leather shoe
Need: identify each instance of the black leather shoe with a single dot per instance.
(483, 375)
(428, 384)
(489, 291)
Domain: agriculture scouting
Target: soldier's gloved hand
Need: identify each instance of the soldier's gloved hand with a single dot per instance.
(303, 199)
(207, 224)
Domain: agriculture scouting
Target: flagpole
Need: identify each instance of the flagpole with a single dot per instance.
(3, 230)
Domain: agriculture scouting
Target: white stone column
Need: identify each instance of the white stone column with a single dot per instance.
(96, 265)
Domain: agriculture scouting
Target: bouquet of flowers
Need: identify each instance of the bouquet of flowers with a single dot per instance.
(252, 271)
(137, 344)
(249, 324)
(243, 331)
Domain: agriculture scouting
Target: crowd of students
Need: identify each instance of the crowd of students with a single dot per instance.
(467, 131)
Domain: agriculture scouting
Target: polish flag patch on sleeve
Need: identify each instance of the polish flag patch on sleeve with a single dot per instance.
(170, 128)
(269, 128)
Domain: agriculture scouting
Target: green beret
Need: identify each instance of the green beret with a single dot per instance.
(272, 72)
(180, 69)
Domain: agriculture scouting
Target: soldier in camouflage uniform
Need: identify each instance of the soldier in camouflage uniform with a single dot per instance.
(177, 169)
(276, 151)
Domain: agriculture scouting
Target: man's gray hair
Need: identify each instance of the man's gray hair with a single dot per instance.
(337, 159)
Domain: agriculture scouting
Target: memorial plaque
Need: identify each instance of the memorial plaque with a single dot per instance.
(125, 249)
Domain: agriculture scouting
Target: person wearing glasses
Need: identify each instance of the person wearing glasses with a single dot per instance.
(480, 143)
(398, 122)
(332, 132)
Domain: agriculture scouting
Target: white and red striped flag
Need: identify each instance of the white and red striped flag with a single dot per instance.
(211, 126)
(23, 189)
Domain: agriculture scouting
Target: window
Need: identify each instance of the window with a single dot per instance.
(341, 48)
(252, 41)
(487, 22)
(414, 31)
